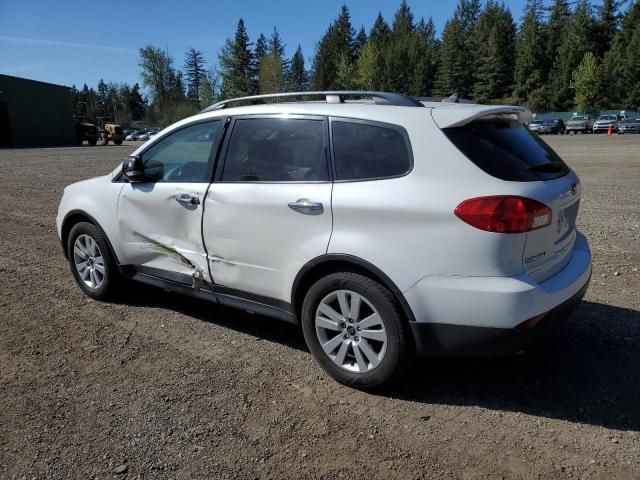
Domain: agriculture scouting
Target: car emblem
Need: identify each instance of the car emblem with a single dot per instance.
(574, 189)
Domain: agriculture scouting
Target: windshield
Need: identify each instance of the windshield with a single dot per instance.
(550, 122)
(504, 148)
(536, 122)
(607, 117)
(578, 119)
(632, 120)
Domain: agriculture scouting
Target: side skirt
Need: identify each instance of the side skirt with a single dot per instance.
(266, 306)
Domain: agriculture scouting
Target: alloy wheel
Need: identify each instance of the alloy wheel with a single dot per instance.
(88, 261)
(350, 331)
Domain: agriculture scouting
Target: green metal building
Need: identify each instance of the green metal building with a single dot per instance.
(35, 114)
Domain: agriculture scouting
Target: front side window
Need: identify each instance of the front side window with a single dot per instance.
(364, 151)
(182, 156)
(276, 150)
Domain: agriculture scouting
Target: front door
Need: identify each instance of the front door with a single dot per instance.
(269, 211)
(159, 220)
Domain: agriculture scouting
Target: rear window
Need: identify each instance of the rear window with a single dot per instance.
(365, 151)
(502, 147)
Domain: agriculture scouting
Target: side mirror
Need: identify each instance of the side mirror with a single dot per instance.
(133, 169)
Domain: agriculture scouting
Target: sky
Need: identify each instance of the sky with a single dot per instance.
(76, 42)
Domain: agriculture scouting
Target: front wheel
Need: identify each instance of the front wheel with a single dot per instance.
(354, 329)
(91, 261)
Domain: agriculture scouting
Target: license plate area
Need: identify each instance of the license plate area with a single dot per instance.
(566, 222)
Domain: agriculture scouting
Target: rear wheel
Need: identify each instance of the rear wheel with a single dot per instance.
(354, 330)
(93, 141)
(91, 261)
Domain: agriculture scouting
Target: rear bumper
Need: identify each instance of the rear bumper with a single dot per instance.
(481, 314)
(447, 339)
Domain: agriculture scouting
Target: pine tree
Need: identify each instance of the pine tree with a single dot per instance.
(380, 31)
(102, 97)
(260, 49)
(555, 31)
(359, 42)
(237, 65)
(336, 42)
(399, 69)
(136, 103)
(576, 42)
(621, 68)
(298, 76)
(606, 26)
(402, 21)
(425, 58)
(530, 62)
(495, 39)
(194, 70)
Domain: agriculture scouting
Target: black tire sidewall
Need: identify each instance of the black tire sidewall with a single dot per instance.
(108, 286)
(385, 304)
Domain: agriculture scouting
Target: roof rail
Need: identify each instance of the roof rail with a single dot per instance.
(380, 98)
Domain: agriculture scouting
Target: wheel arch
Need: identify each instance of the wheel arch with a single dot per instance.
(74, 217)
(331, 263)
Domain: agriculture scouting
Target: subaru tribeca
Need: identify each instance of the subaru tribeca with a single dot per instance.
(383, 225)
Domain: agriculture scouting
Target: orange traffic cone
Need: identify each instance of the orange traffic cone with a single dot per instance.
(610, 131)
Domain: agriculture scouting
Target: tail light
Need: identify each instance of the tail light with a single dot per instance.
(504, 214)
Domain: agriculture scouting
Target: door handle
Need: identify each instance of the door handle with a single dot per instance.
(306, 206)
(187, 199)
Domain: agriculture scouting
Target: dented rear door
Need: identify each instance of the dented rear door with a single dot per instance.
(159, 220)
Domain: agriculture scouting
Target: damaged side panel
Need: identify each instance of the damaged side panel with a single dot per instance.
(159, 232)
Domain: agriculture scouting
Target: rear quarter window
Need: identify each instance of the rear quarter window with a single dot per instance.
(504, 148)
(367, 151)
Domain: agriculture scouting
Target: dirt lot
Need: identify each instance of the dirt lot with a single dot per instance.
(161, 386)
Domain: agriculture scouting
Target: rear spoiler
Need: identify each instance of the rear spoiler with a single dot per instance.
(457, 115)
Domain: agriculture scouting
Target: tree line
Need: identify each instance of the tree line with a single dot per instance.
(561, 56)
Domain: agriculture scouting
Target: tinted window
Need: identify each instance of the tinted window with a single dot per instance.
(504, 148)
(183, 156)
(365, 151)
(276, 150)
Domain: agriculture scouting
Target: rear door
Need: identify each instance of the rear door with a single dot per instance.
(269, 211)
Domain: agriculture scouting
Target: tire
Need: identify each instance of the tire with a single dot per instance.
(356, 369)
(108, 286)
(93, 141)
(118, 142)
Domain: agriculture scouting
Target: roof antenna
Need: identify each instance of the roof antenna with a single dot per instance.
(453, 98)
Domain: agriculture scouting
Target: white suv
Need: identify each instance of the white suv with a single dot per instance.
(383, 225)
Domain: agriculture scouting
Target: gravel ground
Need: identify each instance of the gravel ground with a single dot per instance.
(167, 387)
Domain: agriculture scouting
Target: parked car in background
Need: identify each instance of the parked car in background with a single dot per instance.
(134, 135)
(580, 124)
(602, 124)
(349, 219)
(534, 125)
(552, 126)
(630, 125)
(146, 136)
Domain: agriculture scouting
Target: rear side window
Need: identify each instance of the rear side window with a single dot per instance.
(276, 150)
(364, 151)
(504, 148)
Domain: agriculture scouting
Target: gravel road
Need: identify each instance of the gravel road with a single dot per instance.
(158, 386)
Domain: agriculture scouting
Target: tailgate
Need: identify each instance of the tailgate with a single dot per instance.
(547, 250)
